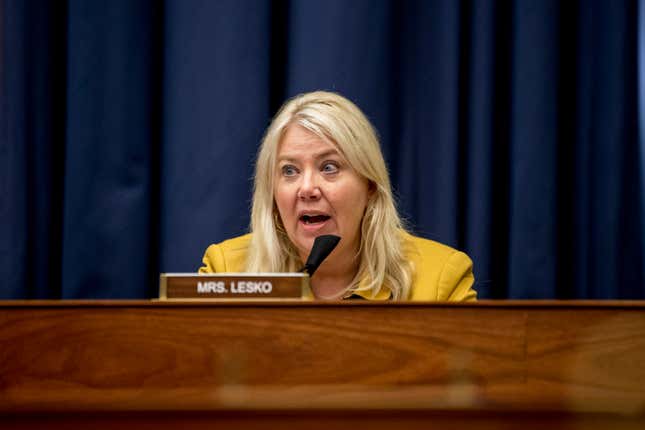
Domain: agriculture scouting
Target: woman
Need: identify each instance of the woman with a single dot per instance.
(320, 171)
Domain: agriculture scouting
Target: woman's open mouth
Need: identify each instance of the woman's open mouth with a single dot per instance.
(314, 219)
(313, 222)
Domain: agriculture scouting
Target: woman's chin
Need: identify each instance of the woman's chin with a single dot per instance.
(305, 237)
(304, 245)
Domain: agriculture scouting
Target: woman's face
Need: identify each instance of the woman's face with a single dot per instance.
(317, 192)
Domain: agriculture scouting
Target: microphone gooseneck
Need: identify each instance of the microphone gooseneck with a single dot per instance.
(323, 246)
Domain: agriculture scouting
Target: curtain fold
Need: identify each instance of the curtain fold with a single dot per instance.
(109, 149)
(32, 148)
(217, 99)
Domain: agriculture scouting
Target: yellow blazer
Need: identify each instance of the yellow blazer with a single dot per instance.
(440, 272)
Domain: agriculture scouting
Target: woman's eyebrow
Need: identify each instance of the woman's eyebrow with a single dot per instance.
(324, 154)
(327, 153)
(286, 158)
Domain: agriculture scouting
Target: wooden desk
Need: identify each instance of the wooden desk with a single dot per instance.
(96, 364)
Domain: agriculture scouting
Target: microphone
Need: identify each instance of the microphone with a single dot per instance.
(323, 246)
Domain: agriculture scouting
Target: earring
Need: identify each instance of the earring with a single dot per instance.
(277, 222)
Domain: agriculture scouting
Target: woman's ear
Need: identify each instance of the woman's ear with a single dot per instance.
(371, 189)
(277, 221)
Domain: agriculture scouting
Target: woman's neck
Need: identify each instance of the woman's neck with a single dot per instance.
(333, 277)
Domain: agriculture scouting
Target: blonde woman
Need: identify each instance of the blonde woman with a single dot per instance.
(319, 171)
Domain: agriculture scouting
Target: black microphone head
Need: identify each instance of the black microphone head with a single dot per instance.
(323, 246)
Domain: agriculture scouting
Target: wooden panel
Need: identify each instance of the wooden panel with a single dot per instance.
(73, 352)
(592, 357)
(546, 357)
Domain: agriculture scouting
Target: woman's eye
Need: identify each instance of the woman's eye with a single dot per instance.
(330, 168)
(289, 170)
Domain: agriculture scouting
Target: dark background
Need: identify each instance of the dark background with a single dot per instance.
(128, 131)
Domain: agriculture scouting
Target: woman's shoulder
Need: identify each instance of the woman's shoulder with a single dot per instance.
(227, 256)
(426, 248)
(441, 272)
(236, 243)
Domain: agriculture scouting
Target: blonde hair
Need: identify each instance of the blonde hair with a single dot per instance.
(332, 117)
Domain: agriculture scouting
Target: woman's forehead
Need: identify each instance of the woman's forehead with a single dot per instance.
(298, 141)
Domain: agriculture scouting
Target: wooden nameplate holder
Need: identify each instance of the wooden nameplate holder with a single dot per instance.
(227, 286)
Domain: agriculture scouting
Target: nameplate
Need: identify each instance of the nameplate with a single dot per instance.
(257, 286)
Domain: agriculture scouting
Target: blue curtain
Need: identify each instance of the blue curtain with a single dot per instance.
(128, 131)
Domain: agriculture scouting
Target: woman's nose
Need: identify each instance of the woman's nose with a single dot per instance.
(309, 189)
